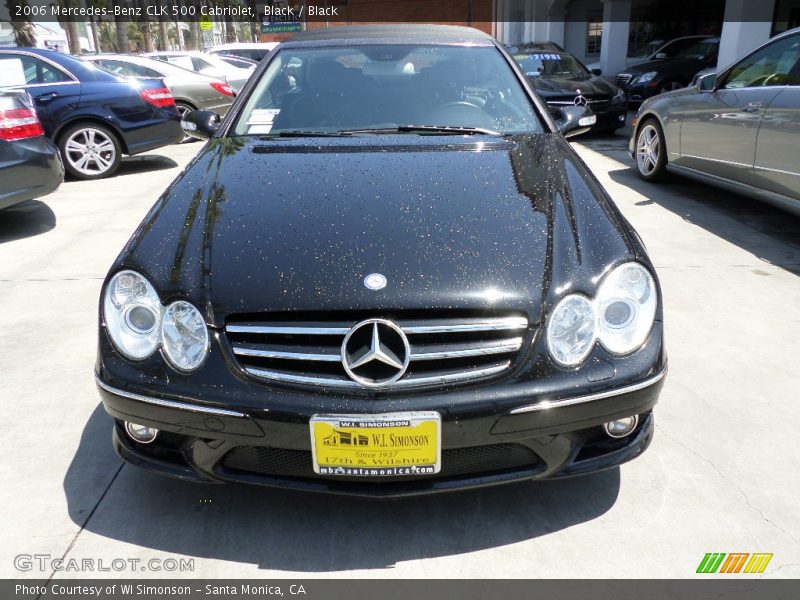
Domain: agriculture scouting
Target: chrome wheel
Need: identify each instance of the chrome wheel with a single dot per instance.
(90, 151)
(648, 150)
(184, 110)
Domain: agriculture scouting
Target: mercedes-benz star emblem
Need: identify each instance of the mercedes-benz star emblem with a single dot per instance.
(375, 281)
(375, 353)
(580, 99)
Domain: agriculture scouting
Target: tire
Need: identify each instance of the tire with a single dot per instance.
(651, 150)
(90, 151)
(183, 108)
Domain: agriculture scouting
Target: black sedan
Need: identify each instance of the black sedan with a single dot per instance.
(29, 163)
(562, 80)
(660, 76)
(386, 275)
(93, 116)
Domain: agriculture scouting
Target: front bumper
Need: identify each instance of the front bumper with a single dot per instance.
(488, 444)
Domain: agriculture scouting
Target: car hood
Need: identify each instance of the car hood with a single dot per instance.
(453, 222)
(590, 87)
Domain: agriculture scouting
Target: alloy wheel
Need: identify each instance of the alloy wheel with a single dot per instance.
(90, 151)
(648, 149)
(184, 110)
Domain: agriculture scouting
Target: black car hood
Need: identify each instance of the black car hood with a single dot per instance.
(590, 87)
(479, 223)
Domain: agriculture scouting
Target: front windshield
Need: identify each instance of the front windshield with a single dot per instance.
(647, 49)
(551, 64)
(701, 50)
(335, 89)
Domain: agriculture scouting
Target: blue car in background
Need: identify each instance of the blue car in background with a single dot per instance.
(93, 116)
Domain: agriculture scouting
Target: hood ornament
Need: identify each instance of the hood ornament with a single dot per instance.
(375, 281)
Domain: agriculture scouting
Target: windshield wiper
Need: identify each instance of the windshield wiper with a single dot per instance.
(301, 134)
(433, 129)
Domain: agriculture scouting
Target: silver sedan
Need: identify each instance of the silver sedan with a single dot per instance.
(738, 129)
(207, 64)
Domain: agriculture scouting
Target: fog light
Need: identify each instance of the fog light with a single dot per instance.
(141, 433)
(621, 427)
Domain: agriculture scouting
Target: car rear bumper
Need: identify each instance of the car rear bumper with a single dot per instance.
(29, 169)
(484, 446)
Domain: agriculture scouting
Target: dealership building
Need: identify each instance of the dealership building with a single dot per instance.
(603, 31)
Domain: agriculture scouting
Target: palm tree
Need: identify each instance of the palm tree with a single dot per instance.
(24, 33)
(123, 45)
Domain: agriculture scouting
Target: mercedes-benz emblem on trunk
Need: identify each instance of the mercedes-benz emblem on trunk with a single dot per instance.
(375, 353)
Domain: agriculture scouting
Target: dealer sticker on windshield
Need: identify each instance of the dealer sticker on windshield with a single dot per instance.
(384, 445)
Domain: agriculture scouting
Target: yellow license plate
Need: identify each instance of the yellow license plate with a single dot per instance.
(385, 445)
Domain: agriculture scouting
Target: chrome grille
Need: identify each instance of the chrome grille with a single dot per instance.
(622, 79)
(441, 350)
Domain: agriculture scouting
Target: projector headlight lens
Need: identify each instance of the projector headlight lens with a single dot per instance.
(184, 336)
(132, 313)
(626, 308)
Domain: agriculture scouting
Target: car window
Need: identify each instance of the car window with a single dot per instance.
(550, 64)
(774, 65)
(35, 70)
(385, 86)
(200, 65)
(677, 46)
(704, 50)
(127, 69)
(184, 62)
(647, 49)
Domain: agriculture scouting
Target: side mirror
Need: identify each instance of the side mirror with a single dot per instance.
(660, 56)
(597, 72)
(573, 120)
(706, 82)
(200, 124)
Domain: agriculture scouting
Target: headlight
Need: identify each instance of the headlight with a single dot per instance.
(184, 336)
(645, 77)
(132, 313)
(626, 308)
(620, 317)
(571, 330)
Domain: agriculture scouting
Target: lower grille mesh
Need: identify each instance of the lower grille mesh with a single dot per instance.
(456, 461)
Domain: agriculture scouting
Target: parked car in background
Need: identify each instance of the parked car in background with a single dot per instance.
(242, 63)
(93, 116)
(397, 278)
(30, 166)
(656, 50)
(659, 76)
(192, 91)
(562, 80)
(253, 51)
(207, 64)
(739, 130)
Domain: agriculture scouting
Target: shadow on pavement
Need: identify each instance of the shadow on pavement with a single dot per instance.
(707, 206)
(26, 220)
(283, 530)
(133, 165)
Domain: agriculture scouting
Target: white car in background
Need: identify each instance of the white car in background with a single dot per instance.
(252, 51)
(206, 64)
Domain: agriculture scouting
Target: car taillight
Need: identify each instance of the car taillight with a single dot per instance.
(19, 124)
(222, 88)
(158, 97)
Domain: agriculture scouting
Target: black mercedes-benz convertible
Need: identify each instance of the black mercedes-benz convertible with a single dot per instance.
(386, 273)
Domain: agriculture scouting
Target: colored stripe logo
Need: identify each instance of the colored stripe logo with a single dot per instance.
(735, 562)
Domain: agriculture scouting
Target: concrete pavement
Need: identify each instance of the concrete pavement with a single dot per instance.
(720, 476)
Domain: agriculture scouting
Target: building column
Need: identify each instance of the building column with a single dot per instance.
(548, 25)
(614, 44)
(747, 25)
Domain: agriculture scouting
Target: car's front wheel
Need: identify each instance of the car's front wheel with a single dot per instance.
(651, 150)
(90, 151)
